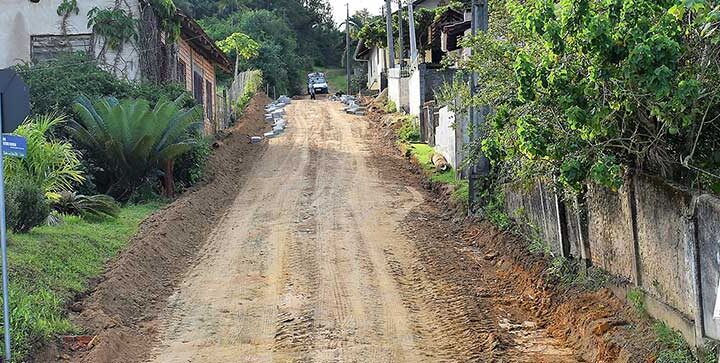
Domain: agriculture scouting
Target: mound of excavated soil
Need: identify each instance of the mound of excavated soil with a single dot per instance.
(122, 308)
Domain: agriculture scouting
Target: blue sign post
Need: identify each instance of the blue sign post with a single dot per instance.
(14, 145)
(14, 108)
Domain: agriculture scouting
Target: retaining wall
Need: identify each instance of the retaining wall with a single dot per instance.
(656, 237)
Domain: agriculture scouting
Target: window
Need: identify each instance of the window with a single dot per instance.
(198, 88)
(46, 47)
(210, 95)
(181, 73)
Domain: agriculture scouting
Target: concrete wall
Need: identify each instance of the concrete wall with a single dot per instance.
(665, 243)
(610, 231)
(445, 137)
(23, 19)
(655, 237)
(415, 92)
(707, 213)
(535, 208)
(398, 89)
(422, 85)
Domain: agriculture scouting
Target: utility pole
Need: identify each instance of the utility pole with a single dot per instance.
(347, 46)
(401, 40)
(413, 41)
(481, 167)
(390, 40)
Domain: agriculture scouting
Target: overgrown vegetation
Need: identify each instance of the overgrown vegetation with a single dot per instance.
(252, 85)
(55, 84)
(423, 153)
(133, 141)
(50, 265)
(590, 90)
(409, 130)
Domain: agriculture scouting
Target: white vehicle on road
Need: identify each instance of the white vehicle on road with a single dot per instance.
(317, 82)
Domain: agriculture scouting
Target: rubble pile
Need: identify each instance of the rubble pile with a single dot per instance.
(352, 104)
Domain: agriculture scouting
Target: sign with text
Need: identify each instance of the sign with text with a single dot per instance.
(13, 145)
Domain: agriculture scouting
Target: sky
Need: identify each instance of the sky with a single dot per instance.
(339, 7)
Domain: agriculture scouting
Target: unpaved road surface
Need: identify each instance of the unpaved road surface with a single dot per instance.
(311, 263)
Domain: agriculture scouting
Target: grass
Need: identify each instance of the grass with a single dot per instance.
(336, 77)
(423, 154)
(50, 265)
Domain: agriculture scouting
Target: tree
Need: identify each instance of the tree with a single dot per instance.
(243, 46)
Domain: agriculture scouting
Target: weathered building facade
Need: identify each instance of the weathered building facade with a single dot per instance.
(43, 30)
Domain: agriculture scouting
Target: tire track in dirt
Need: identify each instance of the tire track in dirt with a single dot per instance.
(310, 265)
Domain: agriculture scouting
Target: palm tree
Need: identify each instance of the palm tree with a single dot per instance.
(131, 141)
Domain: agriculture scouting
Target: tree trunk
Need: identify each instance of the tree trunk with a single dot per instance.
(169, 179)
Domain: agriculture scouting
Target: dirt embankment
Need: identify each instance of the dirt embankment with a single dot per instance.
(504, 284)
(122, 308)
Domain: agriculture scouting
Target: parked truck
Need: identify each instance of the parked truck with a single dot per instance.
(317, 82)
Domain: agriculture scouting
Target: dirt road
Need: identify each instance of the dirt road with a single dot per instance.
(311, 264)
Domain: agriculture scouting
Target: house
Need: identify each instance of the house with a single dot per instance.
(37, 31)
(377, 65)
(440, 127)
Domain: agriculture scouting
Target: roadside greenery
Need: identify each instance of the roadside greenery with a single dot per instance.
(133, 141)
(50, 265)
(241, 45)
(55, 84)
(423, 153)
(589, 90)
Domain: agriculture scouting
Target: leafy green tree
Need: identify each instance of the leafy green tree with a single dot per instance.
(277, 58)
(133, 142)
(588, 90)
(242, 45)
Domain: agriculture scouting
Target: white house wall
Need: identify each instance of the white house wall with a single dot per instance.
(415, 92)
(376, 65)
(445, 140)
(23, 19)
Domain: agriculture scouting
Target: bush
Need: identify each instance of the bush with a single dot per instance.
(52, 164)
(155, 93)
(251, 87)
(409, 131)
(26, 205)
(54, 84)
(93, 206)
(133, 142)
(190, 167)
(390, 106)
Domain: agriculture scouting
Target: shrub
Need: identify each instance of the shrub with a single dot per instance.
(52, 164)
(26, 205)
(190, 167)
(155, 93)
(54, 84)
(251, 87)
(409, 130)
(96, 206)
(132, 142)
(390, 106)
